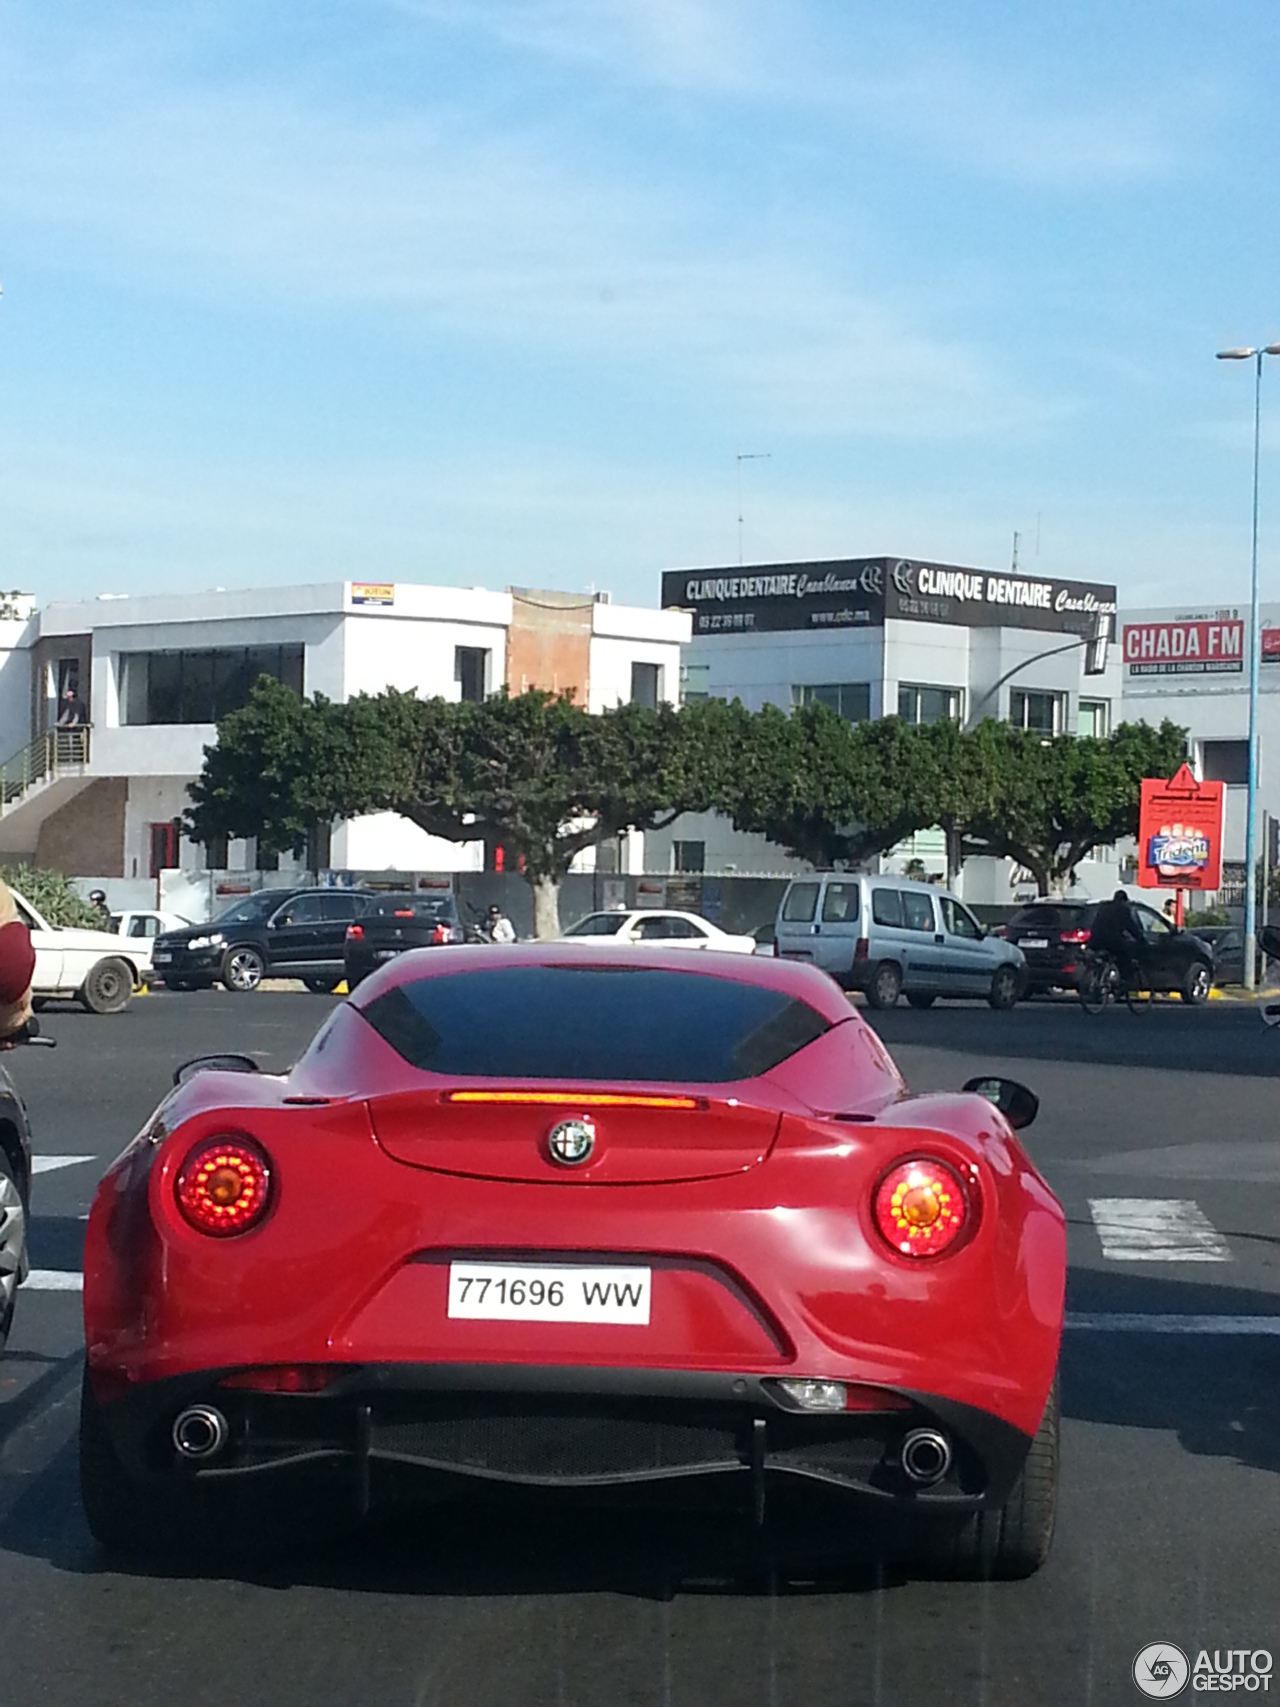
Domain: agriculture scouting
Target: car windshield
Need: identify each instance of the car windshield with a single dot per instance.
(250, 908)
(597, 924)
(411, 906)
(593, 1023)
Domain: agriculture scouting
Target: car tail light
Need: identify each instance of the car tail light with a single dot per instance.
(862, 948)
(578, 1099)
(404, 912)
(1073, 936)
(355, 933)
(920, 1207)
(440, 934)
(224, 1186)
(287, 1378)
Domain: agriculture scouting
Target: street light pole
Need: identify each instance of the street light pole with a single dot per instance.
(1255, 646)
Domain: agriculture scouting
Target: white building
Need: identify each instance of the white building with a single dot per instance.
(153, 675)
(871, 636)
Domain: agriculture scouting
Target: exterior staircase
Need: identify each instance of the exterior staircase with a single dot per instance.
(38, 781)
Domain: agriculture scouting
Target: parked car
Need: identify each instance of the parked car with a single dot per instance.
(672, 929)
(1053, 935)
(274, 933)
(146, 922)
(95, 968)
(892, 936)
(394, 922)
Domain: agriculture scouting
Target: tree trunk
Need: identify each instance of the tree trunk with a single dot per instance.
(546, 907)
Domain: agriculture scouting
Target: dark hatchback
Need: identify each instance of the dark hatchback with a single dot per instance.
(275, 933)
(1053, 937)
(393, 923)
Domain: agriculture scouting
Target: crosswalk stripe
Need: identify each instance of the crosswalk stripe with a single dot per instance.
(51, 1164)
(1156, 1229)
(54, 1280)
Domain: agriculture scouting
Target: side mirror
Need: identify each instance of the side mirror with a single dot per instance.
(214, 1064)
(1018, 1104)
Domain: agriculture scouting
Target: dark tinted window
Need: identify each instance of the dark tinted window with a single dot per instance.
(1046, 918)
(886, 906)
(801, 903)
(252, 907)
(591, 1022)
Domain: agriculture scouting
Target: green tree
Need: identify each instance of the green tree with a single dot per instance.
(533, 773)
(1048, 803)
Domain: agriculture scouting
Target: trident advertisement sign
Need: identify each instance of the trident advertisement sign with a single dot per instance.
(1180, 833)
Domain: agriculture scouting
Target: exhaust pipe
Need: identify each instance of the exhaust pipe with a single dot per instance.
(926, 1456)
(199, 1432)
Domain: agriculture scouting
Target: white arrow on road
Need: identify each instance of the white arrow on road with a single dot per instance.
(51, 1164)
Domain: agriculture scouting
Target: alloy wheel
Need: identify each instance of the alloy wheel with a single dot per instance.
(13, 1240)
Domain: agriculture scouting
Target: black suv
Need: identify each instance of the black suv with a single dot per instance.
(1053, 936)
(275, 933)
(395, 922)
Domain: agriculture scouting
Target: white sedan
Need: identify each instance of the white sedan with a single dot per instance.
(672, 930)
(96, 968)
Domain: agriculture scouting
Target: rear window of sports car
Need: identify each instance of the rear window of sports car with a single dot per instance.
(593, 1022)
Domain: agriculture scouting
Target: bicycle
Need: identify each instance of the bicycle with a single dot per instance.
(1101, 984)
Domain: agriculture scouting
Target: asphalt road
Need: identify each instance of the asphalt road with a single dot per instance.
(1170, 1506)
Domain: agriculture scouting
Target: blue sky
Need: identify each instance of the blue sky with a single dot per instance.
(494, 291)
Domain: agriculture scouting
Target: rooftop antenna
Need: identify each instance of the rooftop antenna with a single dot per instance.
(1013, 568)
(741, 457)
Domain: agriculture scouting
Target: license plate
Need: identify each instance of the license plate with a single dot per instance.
(161, 959)
(1034, 942)
(548, 1292)
(385, 953)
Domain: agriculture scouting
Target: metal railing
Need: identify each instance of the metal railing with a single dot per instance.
(57, 752)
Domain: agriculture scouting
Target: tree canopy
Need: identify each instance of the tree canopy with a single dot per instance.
(537, 775)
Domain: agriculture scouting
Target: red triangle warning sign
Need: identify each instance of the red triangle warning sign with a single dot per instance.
(1184, 780)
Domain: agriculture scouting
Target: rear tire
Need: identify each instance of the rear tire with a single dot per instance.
(1004, 989)
(13, 1243)
(1012, 1540)
(920, 999)
(885, 986)
(243, 969)
(320, 986)
(1196, 984)
(108, 987)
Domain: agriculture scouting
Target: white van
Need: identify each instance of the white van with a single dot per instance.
(891, 936)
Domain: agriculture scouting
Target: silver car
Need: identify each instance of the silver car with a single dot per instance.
(892, 936)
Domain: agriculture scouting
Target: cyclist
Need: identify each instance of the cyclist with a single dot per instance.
(1116, 931)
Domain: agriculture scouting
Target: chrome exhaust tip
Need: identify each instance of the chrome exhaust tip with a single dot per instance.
(199, 1432)
(925, 1456)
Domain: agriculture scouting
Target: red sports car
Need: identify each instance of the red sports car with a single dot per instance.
(571, 1218)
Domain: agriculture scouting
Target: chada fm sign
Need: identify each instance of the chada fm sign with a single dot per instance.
(1192, 648)
(1180, 833)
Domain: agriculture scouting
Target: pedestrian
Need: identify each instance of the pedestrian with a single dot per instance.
(98, 901)
(71, 713)
(498, 925)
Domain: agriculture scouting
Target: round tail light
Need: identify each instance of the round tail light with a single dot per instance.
(920, 1207)
(224, 1186)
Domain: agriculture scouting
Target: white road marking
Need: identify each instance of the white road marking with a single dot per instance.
(51, 1164)
(54, 1280)
(1117, 1322)
(1156, 1229)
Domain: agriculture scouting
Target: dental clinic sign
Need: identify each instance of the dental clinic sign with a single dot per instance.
(860, 592)
(1196, 647)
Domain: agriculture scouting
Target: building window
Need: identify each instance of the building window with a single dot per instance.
(695, 682)
(200, 687)
(688, 856)
(646, 685)
(928, 705)
(1041, 713)
(470, 671)
(1094, 718)
(1224, 761)
(850, 700)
